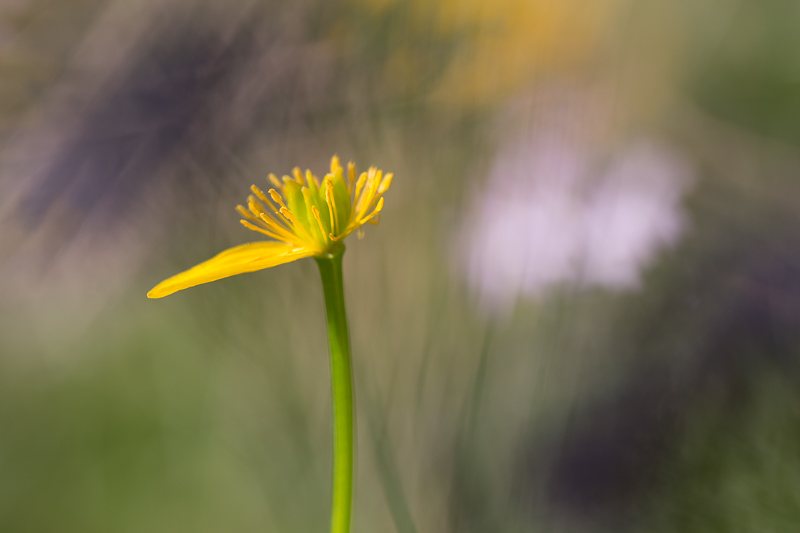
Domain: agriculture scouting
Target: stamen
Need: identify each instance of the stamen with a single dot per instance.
(386, 183)
(249, 225)
(242, 210)
(275, 181)
(297, 228)
(288, 215)
(259, 194)
(311, 178)
(351, 176)
(378, 209)
(255, 207)
(364, 202)
(279, 226)
(336, 165)
(276, 198)
(308, 197)
(331, 201)
(362, 179)
(276, 220)
(298, 175)
(315, 212)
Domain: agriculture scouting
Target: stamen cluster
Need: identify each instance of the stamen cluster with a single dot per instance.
(303, 211)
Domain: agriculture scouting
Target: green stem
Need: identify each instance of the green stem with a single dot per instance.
(330, 269)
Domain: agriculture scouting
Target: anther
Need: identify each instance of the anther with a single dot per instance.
(385, 183)
(276, 197)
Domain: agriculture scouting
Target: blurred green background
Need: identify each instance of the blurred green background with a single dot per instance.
(580, 312)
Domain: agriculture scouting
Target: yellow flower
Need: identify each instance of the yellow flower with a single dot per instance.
(304, 216)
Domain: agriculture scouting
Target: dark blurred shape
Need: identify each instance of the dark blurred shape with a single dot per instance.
(719, 321)
(191, 96)
(144, 119)
(612, 452)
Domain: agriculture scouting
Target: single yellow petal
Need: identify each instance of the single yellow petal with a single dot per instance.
(237, 260)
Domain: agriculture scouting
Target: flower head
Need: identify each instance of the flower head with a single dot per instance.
(301, 214)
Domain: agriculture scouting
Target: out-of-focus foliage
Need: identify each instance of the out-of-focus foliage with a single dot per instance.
(744, 69)
(736, 472)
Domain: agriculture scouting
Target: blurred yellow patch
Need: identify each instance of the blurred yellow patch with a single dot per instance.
(497, 47)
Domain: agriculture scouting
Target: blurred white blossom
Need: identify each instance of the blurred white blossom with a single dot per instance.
(554, 212)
